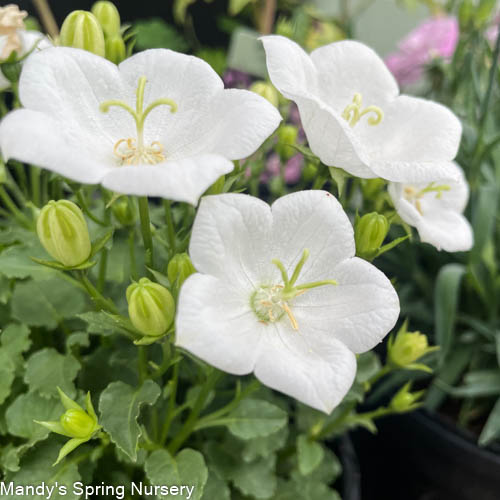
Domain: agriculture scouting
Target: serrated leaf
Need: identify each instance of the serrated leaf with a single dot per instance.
(46, 303)
(26, 408)
(263, 447)
(36, 468)
(46, 370)
(78, 339)
(187, 468)
(309, 454)
(119, 406)
(16, 262)
(256, 479)
(255, 418)
(216, 487)
(102, 323)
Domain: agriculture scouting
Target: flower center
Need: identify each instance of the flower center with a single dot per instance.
(414, 195)
(353, 112)
(271, 302)
(133, 151)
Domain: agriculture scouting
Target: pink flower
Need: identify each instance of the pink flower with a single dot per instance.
(435, 37)
(291, 171)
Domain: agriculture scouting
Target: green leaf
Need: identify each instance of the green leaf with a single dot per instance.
(11, 455)
(491, 429)
(16, 262)
(216, 487)
(7, 375)
(77, 339)
(36, 468)
(263, 447)
(309, 454)
(46, 303)
(255, 418)
(187, 468)
(15, 339)
(368, 366)
(479, 384)
(26, 408)
(446, 295)
(47, 369)
(156, 33)
(339, 176)
(256, 479)
(120, 405)
(483, 220)
(305, 490)
(103, 323)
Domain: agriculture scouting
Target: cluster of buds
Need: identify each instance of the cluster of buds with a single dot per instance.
(75, 423)
(98, 31)
(407, 348)
(151, 309)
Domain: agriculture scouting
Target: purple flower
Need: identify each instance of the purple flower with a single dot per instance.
(435, 37)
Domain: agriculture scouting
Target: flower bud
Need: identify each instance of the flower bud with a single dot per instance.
(82, 30)
(287, 135)
(405, 401)
(115, 49)
(151, 307)
(77, 423)
(63, 232)
(407, 348)
(369, 233)
(179, 269)
(124, 212)
(267, 91)
(310, 171)
(108, 16)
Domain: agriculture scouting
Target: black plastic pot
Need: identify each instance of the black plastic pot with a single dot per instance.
(420, 456)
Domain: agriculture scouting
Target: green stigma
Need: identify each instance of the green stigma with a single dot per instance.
(354, 112)
(133, 151)
(271, 302)
(414, 195)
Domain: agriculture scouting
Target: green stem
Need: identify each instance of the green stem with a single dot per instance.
(103, 267)
(85, 208)
(20, 217)
(131, 247)
(146, 230)
(142, 359)
(35, 185)
(165, 363)
(381, 373)
(100, 301)
(170, 226)
(336, 424)
(171, 405)
(192, 419)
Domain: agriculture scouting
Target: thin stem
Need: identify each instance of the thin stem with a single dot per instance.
(20, 217)
(142, 360)
(85, 208)
(335, 424)
(35, 185)
(170, 226)
(147, 237)
(171, 405)
(192, 419)
(131, 247)
(47, 17)
(381, 373)
(100, 301)
(165, 363)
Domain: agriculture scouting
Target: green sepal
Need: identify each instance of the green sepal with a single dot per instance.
(147, 340)
(61, 267)
(90, 407)
(67, 402)
(68, 448)
(53, 427)
(99, 244)
(391, 245)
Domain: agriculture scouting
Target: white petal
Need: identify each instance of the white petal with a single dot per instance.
(231, 239)
(35, 138)
(70, 84)
(318, 372)
(290, 68)
(239, 122)
(181, 180)
(406, 210)
(215, 323)
(359, 311)
(314, 220)
(349, 67)
(446, 230)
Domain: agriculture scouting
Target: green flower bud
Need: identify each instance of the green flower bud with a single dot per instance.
(267, 91)
(180, 268)
(405, 401)
(151, 307)
(369, 233)
(108, 16)
(63, 232)
(82, 30)
(124, 212)
(287, 135)
(322, 33)
(77, 423)
(115, 49)
(285, 27)
(407, 348)
(310, 171)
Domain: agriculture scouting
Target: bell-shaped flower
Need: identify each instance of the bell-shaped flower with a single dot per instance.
(159, 124)
(15, 38)
(280, 293)
(354, 117)
(435, 210)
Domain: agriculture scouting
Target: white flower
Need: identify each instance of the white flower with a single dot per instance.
(159, 124)
(240, 315)
(435, 209)
(15, 38)
(354, 117)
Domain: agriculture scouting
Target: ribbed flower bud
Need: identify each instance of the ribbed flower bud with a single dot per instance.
(108, 16)
(287, 136)
(116, 51)
(63, 232)
(151, 307)
(180, 268)
(77, 423)
(369, 233)
(82, 30)
(267, 91)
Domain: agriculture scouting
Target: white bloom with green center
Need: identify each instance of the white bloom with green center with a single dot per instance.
(280, 293)
(159, 124)
(435, 210)
(354, 117)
